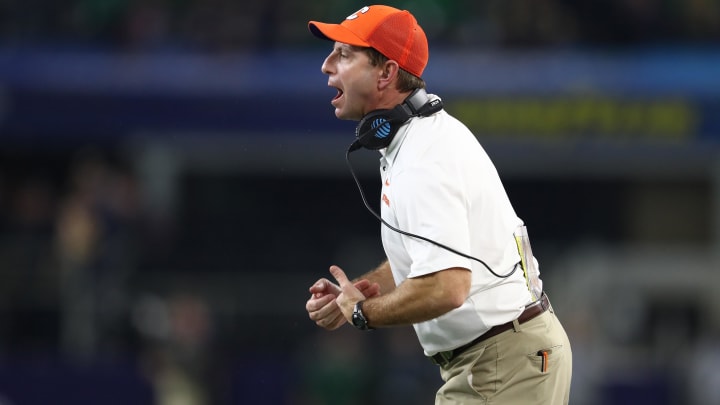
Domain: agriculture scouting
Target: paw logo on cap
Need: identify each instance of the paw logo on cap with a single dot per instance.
(355, 14)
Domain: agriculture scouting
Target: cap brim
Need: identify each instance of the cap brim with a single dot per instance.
(335, 32)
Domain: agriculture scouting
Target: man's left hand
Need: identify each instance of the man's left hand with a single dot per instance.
(349, 296)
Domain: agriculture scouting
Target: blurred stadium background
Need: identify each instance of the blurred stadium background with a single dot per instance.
(172, 180)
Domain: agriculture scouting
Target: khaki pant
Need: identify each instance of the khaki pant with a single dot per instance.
(507, 369)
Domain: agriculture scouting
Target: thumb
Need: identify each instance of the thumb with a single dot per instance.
(340, 276)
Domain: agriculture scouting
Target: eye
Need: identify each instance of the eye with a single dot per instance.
(342, 52)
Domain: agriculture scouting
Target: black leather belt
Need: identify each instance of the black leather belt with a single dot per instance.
(530, 312)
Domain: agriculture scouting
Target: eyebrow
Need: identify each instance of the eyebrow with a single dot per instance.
(344, 47)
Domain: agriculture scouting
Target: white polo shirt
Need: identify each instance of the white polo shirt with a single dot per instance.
(439, 183)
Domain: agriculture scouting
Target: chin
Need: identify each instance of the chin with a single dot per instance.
(348, 115)
(344, 116)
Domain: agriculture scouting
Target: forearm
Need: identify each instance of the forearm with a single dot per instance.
(382, 275)
(419, 299)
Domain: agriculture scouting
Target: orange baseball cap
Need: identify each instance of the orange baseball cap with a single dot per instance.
(392, 32)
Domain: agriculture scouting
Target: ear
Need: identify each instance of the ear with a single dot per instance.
(388, 74)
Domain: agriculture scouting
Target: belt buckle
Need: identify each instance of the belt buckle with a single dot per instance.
(442, 358)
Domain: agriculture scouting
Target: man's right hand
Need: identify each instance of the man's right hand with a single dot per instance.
(323, 309)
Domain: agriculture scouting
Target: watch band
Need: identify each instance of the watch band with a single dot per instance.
(358, 318)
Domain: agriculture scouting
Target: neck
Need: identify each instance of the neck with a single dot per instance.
(389, 99)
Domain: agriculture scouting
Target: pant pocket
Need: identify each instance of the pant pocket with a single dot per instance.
(544, 359)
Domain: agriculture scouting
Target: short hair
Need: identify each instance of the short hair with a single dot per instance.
(406, 80)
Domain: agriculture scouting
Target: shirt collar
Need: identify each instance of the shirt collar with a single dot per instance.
(390, 152)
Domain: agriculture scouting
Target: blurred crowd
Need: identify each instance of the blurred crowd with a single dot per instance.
(66, 231)
(89, 294)
(230, 25)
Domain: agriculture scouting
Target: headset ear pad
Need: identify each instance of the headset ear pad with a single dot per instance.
(377, 129)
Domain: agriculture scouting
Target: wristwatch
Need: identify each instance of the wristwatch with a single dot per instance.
(358, 318)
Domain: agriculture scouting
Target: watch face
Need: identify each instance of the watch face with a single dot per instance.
(358, 319)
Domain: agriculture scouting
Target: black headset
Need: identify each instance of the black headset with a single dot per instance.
(377, 128)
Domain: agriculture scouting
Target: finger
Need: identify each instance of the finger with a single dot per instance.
(367, 288)
(322, 308)
(340, 276)
(332, 322)
(371, 290)
(319, 286)
(317, 303)
(329, 317)
(324, 286)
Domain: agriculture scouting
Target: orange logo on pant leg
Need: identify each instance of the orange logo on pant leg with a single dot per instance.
(386, 200)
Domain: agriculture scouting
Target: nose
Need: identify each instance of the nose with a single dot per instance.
(325, 68)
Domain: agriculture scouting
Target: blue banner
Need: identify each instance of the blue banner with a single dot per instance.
(655, 96)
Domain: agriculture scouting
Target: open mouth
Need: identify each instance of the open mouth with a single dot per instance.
(338, 95)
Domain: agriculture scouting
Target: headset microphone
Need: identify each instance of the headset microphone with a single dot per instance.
(377, 129)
